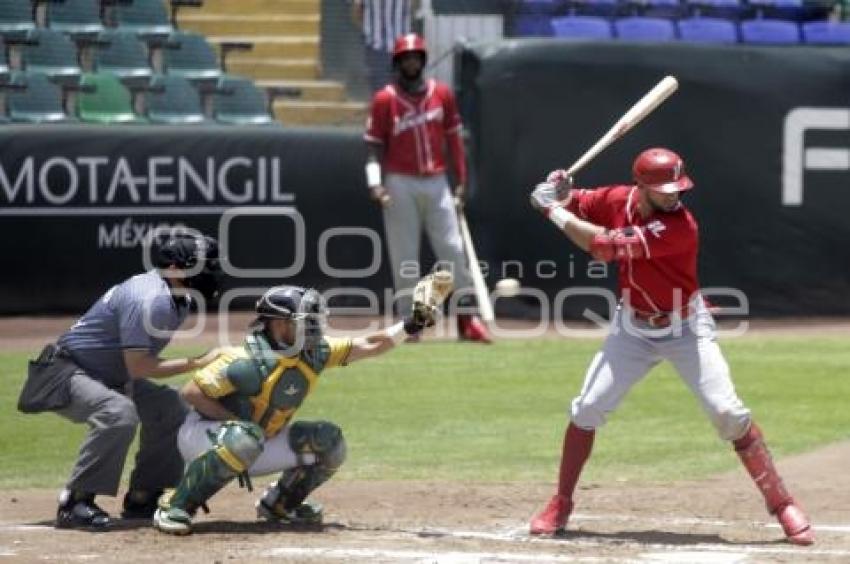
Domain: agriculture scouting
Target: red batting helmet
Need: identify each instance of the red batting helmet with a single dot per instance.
(661, 170)
(410, 43)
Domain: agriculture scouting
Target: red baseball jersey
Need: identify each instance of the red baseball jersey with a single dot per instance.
(665, 278)
(415, 130)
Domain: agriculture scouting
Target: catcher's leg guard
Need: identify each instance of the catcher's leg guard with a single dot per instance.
(578, 444)
(758, 462)
(238, 444)
(284, 499)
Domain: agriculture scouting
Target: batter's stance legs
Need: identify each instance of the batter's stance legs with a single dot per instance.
(577, 446)
(758, 462)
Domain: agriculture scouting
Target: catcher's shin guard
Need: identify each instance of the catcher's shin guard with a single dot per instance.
(284, 499)
(757, 460)
(238, 444)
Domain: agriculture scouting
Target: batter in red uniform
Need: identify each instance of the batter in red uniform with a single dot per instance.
(661, 316)
(414, 125)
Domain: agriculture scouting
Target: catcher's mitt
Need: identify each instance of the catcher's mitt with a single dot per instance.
(428, 295)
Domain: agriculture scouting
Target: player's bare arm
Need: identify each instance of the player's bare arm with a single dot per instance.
(209, 407)
(142, 364)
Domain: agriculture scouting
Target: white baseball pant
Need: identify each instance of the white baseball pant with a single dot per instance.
(418, 200)
(193, 440)
(632, 348)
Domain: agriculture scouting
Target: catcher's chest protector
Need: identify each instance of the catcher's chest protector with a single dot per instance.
(268, 388)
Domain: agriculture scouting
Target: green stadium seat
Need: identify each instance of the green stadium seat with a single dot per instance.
(109, 103)
(173, 100)
(52, 53)
(238, 101)
(191, 57)
(147, 18)
(77, 18)
(39, 102)
(124, 55)
(16, 19)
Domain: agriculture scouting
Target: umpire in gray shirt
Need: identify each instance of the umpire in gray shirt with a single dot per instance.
(110, 354)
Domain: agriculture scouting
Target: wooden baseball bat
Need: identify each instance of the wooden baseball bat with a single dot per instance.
(631, 118)
(485, 306)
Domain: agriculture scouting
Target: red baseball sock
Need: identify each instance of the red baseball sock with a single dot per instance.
(577, 446)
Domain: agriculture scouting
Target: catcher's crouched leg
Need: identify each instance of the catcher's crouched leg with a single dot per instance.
(284, 500)
(237, 445)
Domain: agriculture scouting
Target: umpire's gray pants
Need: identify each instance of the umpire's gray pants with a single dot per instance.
(112, 419)
(416, 201)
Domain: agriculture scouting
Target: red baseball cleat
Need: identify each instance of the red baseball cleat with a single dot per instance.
(553, 518)
(471, 328)
(796, 525)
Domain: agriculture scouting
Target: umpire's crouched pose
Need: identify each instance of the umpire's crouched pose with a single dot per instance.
(97, 374)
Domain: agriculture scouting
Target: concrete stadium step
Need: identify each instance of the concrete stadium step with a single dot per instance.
(311, 90)
(259, 68)
(291, 112)
(265, 46)
(262, 6)
(229, 24)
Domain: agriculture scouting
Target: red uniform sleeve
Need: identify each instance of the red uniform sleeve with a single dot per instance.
(590, 205)
(453, 127)
(379, 123)
(670, 235)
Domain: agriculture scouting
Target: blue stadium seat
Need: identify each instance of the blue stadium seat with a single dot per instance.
(797, 10)
(78, 18)
(770, 32)
(707, 30)
(826, 33)
(39, 102)
(532, 25)
(637, 28)
(582, 27)
(541, 6)
(52, 53)
(659, 8)
(124, 55)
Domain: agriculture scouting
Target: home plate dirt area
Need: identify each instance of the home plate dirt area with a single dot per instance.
(715, 520)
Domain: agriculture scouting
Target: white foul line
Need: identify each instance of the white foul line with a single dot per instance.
(422, 555)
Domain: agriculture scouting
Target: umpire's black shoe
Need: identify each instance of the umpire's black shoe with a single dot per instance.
(80, 513)
(140, 504)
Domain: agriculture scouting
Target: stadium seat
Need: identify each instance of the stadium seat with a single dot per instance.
(173, 100)
(826, 33)
(109, 103)
(551, 7)
(52, 53)
(637, 28)
(240, 102)
(39, 102)
(770, 32)
(191, 57)
(124, 56)
(796, 10)
(4, 67)
(16, 19)
(582, 27)
(146, 18)
(532, 25)
(707, 30)
(78, 18)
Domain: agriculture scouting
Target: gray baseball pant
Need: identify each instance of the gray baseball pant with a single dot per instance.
(417, 201)
(112, 418)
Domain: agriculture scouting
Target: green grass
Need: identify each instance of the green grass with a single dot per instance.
(453, 411)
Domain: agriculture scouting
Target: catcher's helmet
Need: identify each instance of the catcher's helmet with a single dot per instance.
(410, 43)
(305, 306)
(196, 253)
(661, 170)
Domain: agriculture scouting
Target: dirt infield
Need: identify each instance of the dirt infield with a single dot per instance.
(716, 520)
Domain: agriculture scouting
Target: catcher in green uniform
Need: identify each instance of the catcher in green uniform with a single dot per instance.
(244, 401)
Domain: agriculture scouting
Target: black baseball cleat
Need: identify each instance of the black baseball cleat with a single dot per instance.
(140, 504)
(80, 513)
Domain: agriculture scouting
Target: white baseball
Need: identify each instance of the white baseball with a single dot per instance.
(508, 287)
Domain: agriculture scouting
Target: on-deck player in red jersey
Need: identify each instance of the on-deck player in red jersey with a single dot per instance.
(413, 128)
(662, 316)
